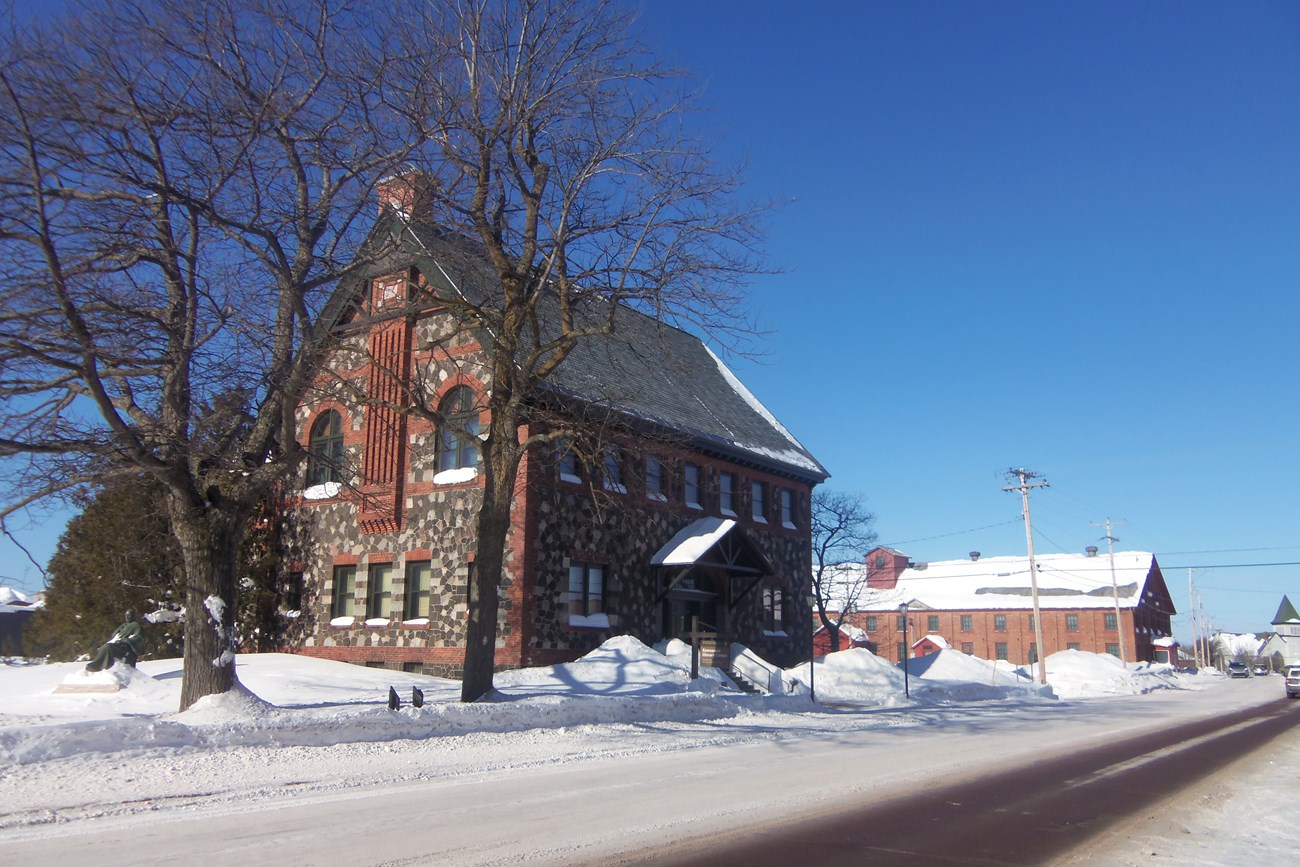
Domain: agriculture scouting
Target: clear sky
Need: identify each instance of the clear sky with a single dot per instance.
(1058, 236)
(1063, 236)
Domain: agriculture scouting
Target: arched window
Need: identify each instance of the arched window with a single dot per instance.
(325, 447)
(458, 435)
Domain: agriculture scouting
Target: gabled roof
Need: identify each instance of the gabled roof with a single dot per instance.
(1065, 581)
(1286, 613)
(653, 374)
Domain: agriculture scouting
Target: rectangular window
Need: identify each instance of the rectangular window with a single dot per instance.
(1031, 622)
(966, 623)
(1000, 625)
(787, 509)
(612, 466)
(342, 603)
(654, 479)
(932, 622)
(727, 494)
(968, 648)
(1033, 651)
(691, 484)
(416, 602)
(1112, 623)
(379, 590)
(1072, 645)
(902, 652)
(413, 667)
(1000, 650)
(1113, 650)
(900, 623)
(568, 460)
(586, 591)
(871, 624)
(1071, 623)
(293, 591)
(773, 609)
(758, 503)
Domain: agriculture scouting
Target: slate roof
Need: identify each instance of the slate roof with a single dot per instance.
(1286, 613)
(648, 371)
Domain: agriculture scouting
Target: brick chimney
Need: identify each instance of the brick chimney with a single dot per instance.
(407, 192)
(884, 565)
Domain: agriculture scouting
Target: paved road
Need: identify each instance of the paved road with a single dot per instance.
(1026, 816)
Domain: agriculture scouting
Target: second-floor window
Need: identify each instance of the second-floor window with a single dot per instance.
(325, 447)
(1071, 623)
(932, 622)
(787, 509)
(654, 479)
(457, 443)
(758, 501)
(1111, 622)
(967, 623)
(1000, 625)
(727, 493)
(612, 466)
(691, 485)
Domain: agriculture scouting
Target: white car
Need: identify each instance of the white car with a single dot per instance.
(1292, 681)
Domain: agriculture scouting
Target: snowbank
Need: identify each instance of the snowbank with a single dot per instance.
(1076, 674)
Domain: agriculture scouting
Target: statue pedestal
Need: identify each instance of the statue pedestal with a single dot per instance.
(89, 681)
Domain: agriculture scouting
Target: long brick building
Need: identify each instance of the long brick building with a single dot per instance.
(983, 605)
(685, 498)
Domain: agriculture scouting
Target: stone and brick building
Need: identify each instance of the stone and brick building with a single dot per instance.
(983, 605)
(678, 496)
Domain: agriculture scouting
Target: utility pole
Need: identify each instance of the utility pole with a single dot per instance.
(1196, 635)
(1114, 586)
(1023, 487)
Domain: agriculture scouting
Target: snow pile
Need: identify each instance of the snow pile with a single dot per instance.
(620, 666)
(1077, 674)
(954, 676)
(290, 700)
(855, 676)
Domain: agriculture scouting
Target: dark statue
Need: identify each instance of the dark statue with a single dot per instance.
(126, 644)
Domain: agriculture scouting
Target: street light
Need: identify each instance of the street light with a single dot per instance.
(902, 611)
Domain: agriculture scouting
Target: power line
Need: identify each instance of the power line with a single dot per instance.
(948, 535)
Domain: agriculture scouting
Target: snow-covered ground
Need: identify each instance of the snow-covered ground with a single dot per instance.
(70, 762)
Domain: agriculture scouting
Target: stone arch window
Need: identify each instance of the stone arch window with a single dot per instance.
(457, 444)
(325, 449)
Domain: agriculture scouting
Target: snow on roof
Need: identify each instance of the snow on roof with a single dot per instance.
(936, 640)
(692, 542)
(1064, 581)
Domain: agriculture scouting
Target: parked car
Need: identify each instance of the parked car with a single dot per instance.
(1237, 668)
(1292, 681)
(1261, 669)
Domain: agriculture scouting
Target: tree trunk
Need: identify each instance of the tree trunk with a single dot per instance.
(209, 541)
(501, 455)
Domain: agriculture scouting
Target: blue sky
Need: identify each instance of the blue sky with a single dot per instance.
(1058, 236)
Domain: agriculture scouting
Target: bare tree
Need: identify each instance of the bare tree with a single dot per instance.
(180, 184)
(841, 536)
(560, 151)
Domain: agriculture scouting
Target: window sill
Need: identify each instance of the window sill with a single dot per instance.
(656, 498)
(788, 525)
(343, 622)
(780, 633)
(571, 478)
(759, 519)
(726, 513)
(695, 506)
(416, 623)
(377, 621)
(616, 488)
